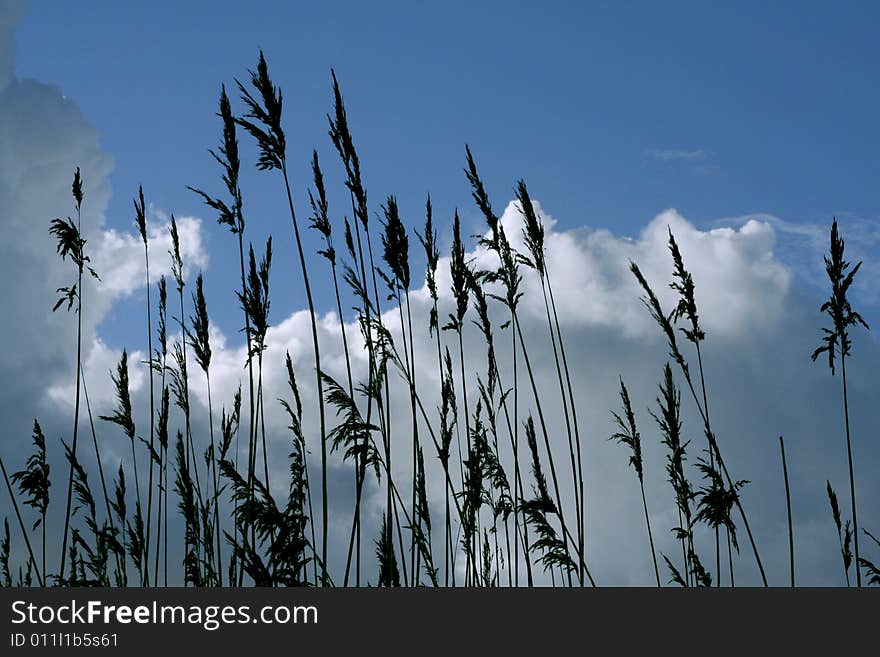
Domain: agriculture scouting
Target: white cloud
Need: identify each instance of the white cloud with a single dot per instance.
(802, 246)
(670, 155)
(119, 257)
(761, 383)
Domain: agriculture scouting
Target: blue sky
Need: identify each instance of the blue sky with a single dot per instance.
(612, 112)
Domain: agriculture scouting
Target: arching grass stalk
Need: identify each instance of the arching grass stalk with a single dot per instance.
(122, 417)
(356, 282)
(653, 305)
(140, 210)
(493, 472)
(375, 335)
(231, 215)
(162, 531)
(533, 234)
(447, 393)
(180, 357)
(507, 254)
(198, 336)
(537, 511)
(788, 511)
(668, 420)
(320, 221)
(628, 435)
(230, 425)
(836, 341)
(340, 135)
(683, 284)
(71, 243)
(510, 279)
(448, 420)
(255, 301)
(112, 523)
(497, 476)
(472, 494)
(295, 426)
(395, 246)
(459, 273)
(159, 362)
(263, 122)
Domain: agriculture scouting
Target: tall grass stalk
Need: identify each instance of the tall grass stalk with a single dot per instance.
(320, 221)
(159, 362)
(581, 569)
(180, 354)
(122, 417)
(788, 511)
(395, 246)
(71, 243)
(99, 460)
(198, 335)
(263, 122)
(428, 241)
(141, 221)
(665, 322)
(230, 214)
(387, 351)
(460, 292)
(533, 233)
(628, 435)
(255, 300)
(508, 276)
(683, 284)
(836, 341)
(371, 318)
(494, 472)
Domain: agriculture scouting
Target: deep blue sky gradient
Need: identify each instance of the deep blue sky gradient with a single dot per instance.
(781, 97)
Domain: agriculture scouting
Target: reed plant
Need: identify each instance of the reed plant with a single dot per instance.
(836, 343)
(628, 435)
(494, 524)
(70, 242)
(263, 122)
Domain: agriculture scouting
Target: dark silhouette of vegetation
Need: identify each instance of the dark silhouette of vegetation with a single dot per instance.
(505, 511)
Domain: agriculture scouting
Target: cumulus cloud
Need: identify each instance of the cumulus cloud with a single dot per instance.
(43, 138)
(740, 277)
(119, 256)
(802, 245)
(761, 384)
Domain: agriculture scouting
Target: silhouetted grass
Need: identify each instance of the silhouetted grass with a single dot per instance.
(836, 341)
(274, 538)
